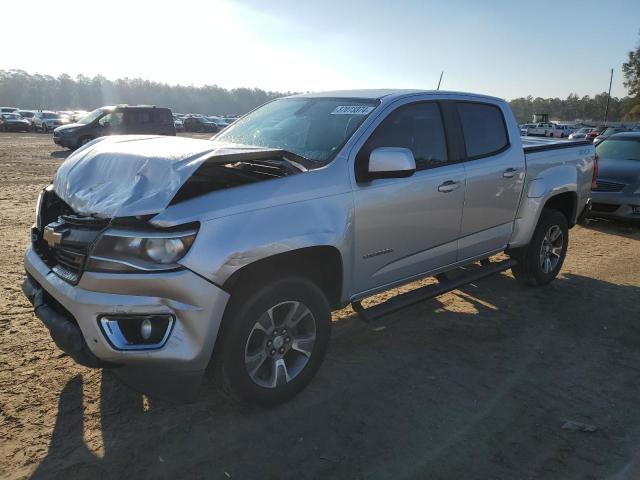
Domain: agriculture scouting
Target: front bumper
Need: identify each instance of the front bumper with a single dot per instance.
(615, 205)
(196, 304)
(64, 141)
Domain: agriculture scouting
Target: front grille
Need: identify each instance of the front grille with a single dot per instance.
(604, 186)
(604, 207)
(70, 260)
(66, 257)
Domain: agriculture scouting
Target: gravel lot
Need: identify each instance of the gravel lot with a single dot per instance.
(475, 384)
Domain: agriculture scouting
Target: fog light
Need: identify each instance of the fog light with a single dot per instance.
(145, 329)
(136, 332)
(635, 209)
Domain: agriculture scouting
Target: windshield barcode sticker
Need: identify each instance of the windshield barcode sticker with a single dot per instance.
(352, 110)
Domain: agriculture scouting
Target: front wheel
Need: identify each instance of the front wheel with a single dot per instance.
(274, 340)
(84, 141)
(540, 261)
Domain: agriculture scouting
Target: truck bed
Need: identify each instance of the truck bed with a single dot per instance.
(540, 144)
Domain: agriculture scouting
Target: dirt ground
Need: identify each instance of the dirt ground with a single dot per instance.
(473, 385)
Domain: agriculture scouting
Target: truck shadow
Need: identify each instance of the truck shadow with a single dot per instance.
(479, 381)
(60, 153)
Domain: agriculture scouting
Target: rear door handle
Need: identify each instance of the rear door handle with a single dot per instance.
(448, 186)
(509, 173)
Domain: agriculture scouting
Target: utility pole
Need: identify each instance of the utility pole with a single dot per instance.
(606, 110)
(441, 73)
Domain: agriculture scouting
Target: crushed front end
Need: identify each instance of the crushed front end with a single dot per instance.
(156, 322)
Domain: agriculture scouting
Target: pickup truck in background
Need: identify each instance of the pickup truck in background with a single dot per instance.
(165, 257)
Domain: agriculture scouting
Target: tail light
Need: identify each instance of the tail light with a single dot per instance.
(594, 178)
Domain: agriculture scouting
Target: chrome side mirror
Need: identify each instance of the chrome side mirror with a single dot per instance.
(391, 162)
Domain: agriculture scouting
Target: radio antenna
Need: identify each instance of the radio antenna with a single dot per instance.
(439, 81)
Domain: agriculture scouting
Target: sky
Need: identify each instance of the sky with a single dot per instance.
(503, 48)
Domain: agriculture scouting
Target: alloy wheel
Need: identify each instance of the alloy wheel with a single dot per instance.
(280, 344)
(551, 249)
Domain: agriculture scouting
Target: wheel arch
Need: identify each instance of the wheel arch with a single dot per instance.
(322, 264)
(566, 203)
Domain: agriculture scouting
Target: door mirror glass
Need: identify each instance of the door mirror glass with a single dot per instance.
(391, 162)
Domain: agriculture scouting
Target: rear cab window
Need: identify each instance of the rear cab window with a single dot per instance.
(483, 128)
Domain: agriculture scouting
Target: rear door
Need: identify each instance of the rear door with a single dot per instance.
(407, 226)
(494, 171)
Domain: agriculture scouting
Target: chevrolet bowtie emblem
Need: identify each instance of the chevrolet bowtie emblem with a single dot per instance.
(52, 237)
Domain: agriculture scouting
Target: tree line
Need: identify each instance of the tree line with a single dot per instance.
(573, 107)
(36, 91)
(40, 92)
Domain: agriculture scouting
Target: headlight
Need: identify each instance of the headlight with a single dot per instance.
(129, 251)
(67, 131)
(38, 223)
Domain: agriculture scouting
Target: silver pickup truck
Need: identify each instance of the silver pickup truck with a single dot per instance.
(164, 257)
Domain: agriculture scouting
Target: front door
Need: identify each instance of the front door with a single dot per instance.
(110, 124)
(408, 226)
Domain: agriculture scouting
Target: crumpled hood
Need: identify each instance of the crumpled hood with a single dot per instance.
(122, 176)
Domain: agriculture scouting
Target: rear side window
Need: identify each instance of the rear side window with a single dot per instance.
(483, 127)
(417, 127)
(163, 116)
(138, 117)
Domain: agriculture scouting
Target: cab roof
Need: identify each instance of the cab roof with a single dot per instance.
(378, 94)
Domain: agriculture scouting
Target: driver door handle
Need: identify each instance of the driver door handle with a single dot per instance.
(509, 173)
(448, 186)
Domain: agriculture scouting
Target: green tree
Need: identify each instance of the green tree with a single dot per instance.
(631, 71)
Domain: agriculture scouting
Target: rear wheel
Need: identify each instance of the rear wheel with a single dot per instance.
(540, 261)
(274, 341)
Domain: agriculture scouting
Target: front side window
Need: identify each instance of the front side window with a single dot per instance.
(112, 119)
(92, 117)
(417, 127)
(483, 128)
(313, 128)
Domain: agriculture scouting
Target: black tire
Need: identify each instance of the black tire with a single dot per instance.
(530, 269)
(247, 306)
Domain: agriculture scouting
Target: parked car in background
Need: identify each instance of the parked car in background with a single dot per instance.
(234, 252)
(580, 134)
(116, 120)
(27, 115)
(617, 190)
(538, 129)
(219, 121)
(608, 132)
(200, 124)
(8, 109)
(45, 121)
(12, 122)
(594, 133)
(562, 131)
(178, 123)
